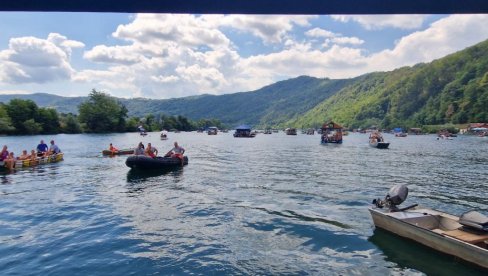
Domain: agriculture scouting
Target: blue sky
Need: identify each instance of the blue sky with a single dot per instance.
(168, 55)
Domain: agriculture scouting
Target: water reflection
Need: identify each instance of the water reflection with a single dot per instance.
(274, 204)
(5, 179)
(408, 254)
(137, 176)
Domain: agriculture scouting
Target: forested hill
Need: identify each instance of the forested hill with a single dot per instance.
(271, 105)
(453, 89)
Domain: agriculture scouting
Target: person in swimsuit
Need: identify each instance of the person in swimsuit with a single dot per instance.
(151, 151)
(176, 152)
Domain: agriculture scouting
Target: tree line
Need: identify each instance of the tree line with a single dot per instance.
(101, 113)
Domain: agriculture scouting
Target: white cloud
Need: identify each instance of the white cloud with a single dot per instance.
(114, 54)
(165, 56)
(165, 79)
(64, 43)
(7, 92)
(331, 37)
(376, 22)
(164, 29)
(443, 37)
(269, 28)
(347, 40)
(294, 62)
(35, 60)
(318, 32)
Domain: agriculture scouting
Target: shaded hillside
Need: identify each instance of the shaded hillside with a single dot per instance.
(273, 104)
(453, 89)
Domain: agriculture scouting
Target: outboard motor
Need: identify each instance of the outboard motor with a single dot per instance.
(395, 196)
(474, 220)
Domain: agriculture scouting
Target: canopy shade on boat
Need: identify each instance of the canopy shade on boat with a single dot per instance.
(331, 125)
(479, 129)
(398, 129)
(243, 127)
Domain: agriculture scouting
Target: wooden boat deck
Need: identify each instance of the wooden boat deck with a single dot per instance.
(466, 236)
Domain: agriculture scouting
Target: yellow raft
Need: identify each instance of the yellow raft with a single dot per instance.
(39, 161)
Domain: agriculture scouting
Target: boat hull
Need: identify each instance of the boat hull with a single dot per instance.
(442, 243)
(379, 145)
(252, 135)
(148, 163)
(120, 152)
(323, 141)
(19, 164)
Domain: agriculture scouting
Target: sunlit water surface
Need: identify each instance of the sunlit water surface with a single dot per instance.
(275, 204)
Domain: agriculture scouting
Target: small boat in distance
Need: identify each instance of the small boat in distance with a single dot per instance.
(399, 132)
(244, 131)
(331, 133)
(163, 135)
(291, 131)
(267, 131)
(465, 237)
(142, 131)
(445, 134)
(212, 131)
(310, 131)
(376, 140)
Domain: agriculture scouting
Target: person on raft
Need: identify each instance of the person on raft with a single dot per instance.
(7, 158)
(42, 149)
(176, 152)
(54, 149)
(113, 149)
(151, 151)
(140, 149)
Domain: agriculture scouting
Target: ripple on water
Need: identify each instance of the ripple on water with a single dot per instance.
(274, 204)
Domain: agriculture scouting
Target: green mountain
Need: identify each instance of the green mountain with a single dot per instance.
(61, 104)
(453, 89)
(271, 105)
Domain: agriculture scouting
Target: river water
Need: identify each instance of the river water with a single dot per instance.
(274, 204)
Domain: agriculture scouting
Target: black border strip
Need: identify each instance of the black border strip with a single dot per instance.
(252, 6)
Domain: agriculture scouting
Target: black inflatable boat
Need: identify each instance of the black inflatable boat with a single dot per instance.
(148, 163)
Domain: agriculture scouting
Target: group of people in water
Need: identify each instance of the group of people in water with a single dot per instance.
(42, 150)
(176, 152)
(376, 136)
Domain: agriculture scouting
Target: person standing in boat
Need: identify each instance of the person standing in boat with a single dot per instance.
(151, 151)
(176, 152)
(42, 148)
